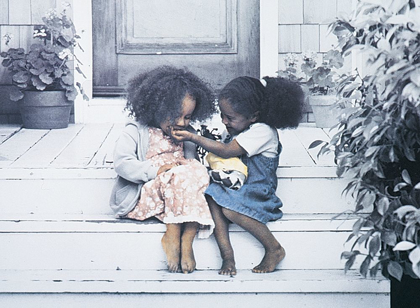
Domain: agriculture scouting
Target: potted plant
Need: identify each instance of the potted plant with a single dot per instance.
(319, 82)
(377, 145)
(43, 75)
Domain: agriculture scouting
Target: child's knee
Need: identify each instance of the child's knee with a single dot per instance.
(228, 213)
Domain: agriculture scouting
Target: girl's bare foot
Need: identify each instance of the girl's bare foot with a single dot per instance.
(171, 244)
(187, 253)
(228, 268)
(270, 261)
(187, 258)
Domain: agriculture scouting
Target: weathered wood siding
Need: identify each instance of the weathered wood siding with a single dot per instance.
(303, 25)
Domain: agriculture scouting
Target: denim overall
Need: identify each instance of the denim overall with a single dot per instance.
(257, 197)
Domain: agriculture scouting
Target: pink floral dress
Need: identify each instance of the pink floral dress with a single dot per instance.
(177, 195)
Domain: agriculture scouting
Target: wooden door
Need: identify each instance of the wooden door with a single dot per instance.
(216, 39)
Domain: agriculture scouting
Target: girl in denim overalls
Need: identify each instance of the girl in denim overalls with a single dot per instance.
(251, 110)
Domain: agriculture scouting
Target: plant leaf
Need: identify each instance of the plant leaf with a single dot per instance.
(406, 176)
(38, 84)
(45, 78)
(389, 238)
(374, 245)
(374, 269)
(357, 226)
(364, 267)
(349, 263)
(15, 94)
(395, 270)
(315, 143)
(382, 205)
(21, 77)
(403, 210)
(404, 245)
(414, 257)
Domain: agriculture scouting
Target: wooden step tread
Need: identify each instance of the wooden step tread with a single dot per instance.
(109, 224)
(200, 281)
(107, 172)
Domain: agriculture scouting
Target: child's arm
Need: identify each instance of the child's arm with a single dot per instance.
(190, 149)
(224, 150)
(126, 161)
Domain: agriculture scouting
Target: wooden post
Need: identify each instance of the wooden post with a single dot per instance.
(269, 38)
(82, 18)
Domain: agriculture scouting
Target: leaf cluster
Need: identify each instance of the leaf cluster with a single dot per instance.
(320, 79)
(377, 145)
(48, 64)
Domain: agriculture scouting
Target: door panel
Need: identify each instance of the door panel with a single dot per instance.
(218, 40)
(197, 26)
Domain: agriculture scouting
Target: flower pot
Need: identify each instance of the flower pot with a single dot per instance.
(323, 109)
(45, 109)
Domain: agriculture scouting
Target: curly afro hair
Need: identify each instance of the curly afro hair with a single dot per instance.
(156, 96)
(279, 102)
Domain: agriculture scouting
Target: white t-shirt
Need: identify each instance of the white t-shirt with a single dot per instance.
(259, 138)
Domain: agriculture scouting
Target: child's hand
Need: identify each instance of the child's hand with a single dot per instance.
(180, 135)
(166, 167)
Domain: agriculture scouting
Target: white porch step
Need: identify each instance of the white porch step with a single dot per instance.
(311, 242)
(285, 288)
(60, 245)
(87, 190)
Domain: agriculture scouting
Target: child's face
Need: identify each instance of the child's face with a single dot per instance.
(188, 106)
(235, 123)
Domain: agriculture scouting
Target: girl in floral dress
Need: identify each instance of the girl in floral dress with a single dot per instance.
(158, 177)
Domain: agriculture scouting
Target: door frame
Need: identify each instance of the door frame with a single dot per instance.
(106, 109)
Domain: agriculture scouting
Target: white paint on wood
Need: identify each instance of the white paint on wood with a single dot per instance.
(293, 153)
(269, 37)
(108, 224)
(100, 173)
(82, 18)
(290, 11)
(306, 136)
(7, 130)
(22, 141)
(68, 196)
(48, 148)
(202, 300)
(129, 281)
(143, 250)
(81, 150)
(91, 196)
(104, 156)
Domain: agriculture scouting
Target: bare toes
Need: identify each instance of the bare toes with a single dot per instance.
(172, 251)
(228, 268)
(173, 267)
(187, 257)
(270, 261)
(187, 264)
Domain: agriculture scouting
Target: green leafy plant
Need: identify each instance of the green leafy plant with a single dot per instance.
(377, 143)
(319, 79)
(48, 64)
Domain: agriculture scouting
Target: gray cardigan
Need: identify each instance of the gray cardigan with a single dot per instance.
(132, 167)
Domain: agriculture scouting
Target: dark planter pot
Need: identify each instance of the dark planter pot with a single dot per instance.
(405, 293)
(45, 109)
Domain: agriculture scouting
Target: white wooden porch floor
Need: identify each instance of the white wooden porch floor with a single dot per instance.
(54, 191)
(89, 147)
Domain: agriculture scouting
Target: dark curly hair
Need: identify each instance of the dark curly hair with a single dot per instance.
(156, 96)
(279, 103)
